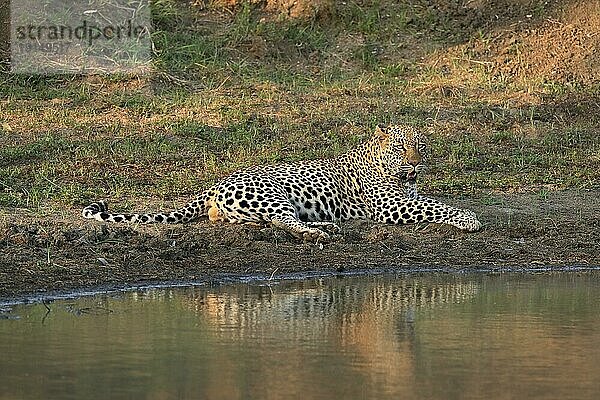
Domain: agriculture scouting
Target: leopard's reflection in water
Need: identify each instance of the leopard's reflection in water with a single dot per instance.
(430, 336)
(372, 323)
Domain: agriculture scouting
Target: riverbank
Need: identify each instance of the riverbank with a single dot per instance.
(521, 232)
(507, 93)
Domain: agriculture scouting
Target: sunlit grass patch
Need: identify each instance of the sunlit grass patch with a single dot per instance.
(233, 91)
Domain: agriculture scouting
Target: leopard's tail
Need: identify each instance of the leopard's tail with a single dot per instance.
(192, 210)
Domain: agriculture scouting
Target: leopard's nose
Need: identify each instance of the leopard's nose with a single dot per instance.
(414, 163)
(413, 157)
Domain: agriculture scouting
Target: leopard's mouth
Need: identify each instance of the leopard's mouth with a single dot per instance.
(411, 176)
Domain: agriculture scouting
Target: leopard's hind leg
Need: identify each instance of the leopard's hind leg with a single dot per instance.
(298, 228)
(285, 218)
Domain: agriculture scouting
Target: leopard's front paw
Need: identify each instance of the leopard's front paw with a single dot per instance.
(467, 221)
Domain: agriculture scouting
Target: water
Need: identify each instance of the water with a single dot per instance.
(434, 336)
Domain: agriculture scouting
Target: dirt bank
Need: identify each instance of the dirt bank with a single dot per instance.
(521, 231)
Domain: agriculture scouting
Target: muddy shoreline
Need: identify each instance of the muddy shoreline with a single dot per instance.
(42, 256)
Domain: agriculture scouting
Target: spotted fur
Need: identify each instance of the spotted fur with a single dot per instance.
(375, 180)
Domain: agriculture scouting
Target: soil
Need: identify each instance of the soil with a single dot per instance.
(521, 232)
(296, 9)
(552, 41)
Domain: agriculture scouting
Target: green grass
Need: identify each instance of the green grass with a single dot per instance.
(233, 91)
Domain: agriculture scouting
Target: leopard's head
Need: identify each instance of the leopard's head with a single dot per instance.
(402, 150)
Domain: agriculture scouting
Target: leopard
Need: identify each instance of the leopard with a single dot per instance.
(375, 180)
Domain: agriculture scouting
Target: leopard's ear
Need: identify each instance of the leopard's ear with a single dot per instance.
(381, 132)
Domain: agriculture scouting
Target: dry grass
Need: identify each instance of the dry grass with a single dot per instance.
(235, 90)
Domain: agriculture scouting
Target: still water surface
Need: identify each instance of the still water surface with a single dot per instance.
(432, 336)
